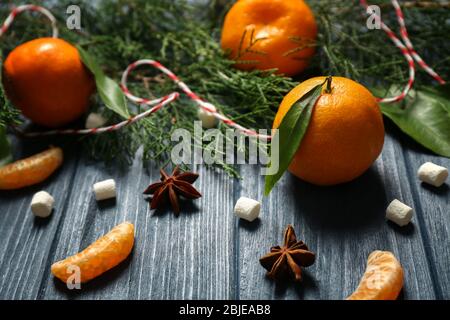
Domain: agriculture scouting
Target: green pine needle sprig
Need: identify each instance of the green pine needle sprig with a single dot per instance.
(185, 37)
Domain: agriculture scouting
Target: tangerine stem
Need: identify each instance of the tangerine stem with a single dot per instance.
(328, 81)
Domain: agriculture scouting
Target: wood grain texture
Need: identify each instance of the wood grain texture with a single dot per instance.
(207, 253)
(27, 242)
(432, 207)
(342, 225)
(190, 256)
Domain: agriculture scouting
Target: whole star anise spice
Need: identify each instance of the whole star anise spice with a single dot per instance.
(171, 187)
(286, 262)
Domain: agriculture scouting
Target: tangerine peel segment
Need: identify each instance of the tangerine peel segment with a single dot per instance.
(32, 170)
(382, 280)
(101, 256)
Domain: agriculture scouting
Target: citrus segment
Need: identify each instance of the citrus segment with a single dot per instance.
(101, 256)
(30, 171)
(382, 280)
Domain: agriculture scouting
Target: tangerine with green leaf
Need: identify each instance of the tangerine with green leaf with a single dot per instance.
(270, 34)
(345, 133)
(47, 81)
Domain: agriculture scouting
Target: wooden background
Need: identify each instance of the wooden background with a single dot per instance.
(207, 253)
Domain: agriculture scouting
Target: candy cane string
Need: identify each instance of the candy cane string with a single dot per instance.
(407, 50)
(409, 45)
(406, 54)
(208, 107)
(163, 102)
(156, 103)
(29, 7)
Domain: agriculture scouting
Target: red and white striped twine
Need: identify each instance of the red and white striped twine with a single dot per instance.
(409, 45)
(28, 7)
(156, 103)
(406, 48)
(208, 107)
(162, 102)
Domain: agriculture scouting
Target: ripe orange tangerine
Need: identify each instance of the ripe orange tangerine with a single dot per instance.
(270, 34)
(47, 81)
(30, 171)
(101, 256)
(382, 280)
(345, 133)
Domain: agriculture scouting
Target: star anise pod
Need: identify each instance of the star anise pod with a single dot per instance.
(171, 187)
(286, 262)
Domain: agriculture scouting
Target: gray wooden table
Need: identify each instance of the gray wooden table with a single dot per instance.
(207, 253)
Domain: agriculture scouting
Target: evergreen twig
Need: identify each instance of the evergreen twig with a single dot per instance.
(185, 37)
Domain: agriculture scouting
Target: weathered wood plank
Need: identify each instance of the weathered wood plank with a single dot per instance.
(207, 253)
(190, 257)
(26, 241)
(186, 257)
(342, 224)
(432, 210)
(408, 243)
(87, 220)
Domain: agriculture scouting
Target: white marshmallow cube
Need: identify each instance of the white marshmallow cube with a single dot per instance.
(247, 209)
(42, 204)
(432, 174)
(207, 118)
(105, 190)
(94, 120)
(399, 213)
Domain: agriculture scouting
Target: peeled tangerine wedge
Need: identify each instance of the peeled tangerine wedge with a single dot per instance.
(30, 171)
(102, 255)
(382, 280)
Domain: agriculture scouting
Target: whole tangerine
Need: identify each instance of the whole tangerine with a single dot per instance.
(270, 34)
(46, 79)
(345, 134)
